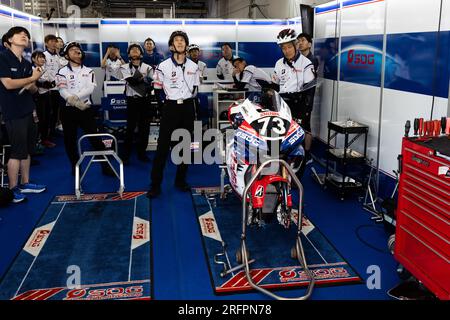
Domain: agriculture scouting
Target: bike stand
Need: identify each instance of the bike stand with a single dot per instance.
(92, 156)
(297, 249)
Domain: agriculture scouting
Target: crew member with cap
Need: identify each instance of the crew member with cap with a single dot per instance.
(291, 74)
(76, 82)
(194, 54)
(52, 65)
(179, 77)
(138, 76)
(225, 67)
(254, 78)
(17, 83)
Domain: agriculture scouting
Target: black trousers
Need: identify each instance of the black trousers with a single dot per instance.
(44, 111)
(173, 116)
(55, 103)
(73, 118)
(138, 112)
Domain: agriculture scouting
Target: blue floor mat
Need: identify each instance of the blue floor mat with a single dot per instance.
(220, 224)
(95, 248)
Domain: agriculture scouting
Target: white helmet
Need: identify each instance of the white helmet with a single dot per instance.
(286, 35)
(192, 47)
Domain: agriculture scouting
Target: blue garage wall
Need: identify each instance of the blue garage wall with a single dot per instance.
(326, 51)
(414, 61)
(261, 54)
(361, 59)
(411, 62)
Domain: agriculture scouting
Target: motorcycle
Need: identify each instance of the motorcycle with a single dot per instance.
(263, 132)
(262, 157)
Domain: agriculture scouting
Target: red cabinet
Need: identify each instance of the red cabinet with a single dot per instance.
(422, 242)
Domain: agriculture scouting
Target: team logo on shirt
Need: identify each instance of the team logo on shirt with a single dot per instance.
(283, 71)
(71, 77)
(174, 73)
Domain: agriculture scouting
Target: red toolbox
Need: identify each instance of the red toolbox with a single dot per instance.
(422, 242)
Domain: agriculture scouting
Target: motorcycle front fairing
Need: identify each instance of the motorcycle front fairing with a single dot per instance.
(260, 134)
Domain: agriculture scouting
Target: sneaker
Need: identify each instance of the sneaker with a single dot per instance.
(18, 196)
(308, 159)
(48, 144)
(32, 188)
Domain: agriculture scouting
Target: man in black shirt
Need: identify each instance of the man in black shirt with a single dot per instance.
(17, 83)
(304, 45)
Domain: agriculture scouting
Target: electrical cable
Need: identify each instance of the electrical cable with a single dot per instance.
(367, 243)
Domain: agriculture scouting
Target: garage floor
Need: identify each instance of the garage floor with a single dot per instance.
(179, 266)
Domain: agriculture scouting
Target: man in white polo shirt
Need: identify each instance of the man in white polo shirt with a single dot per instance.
(225, 67)
(179, 77)
(252, 77)
(291, 74)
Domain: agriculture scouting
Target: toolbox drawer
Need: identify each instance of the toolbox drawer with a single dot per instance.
(438, 242)
(427, 165)
(425, 264)
(428, 183)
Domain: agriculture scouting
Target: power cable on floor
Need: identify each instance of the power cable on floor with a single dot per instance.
(367, 243)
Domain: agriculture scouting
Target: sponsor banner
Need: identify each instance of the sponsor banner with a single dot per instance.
(141, 232)
(288, 276)
(37, 240)
(98, 197)
(209, 226)
(361, 59)
(133, 290)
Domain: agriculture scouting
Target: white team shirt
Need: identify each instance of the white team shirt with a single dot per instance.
(63, 61)
(225, 68)
(45, 77)
(112, 69)
(127, 70)
(52, 65)
(252, 74)
(76, 81)
(292, 78)
(203, 69)
(178, 81)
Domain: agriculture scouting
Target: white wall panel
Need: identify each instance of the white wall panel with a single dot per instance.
(159, 33)
(440, 108)
(325, 23)
(113, 33)
(322, 109)
(361, 103)
(5, 23)
(263, 33)
(363, 19)
(216, 33)
(445, 18)
(406, 16)
(399, 106)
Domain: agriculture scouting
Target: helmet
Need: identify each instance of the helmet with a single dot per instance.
(193, 47)
(72, 44)
(286, 35)
(135, 45)
(178, 33)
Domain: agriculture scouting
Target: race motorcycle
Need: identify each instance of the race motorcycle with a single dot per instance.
(262, 132)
